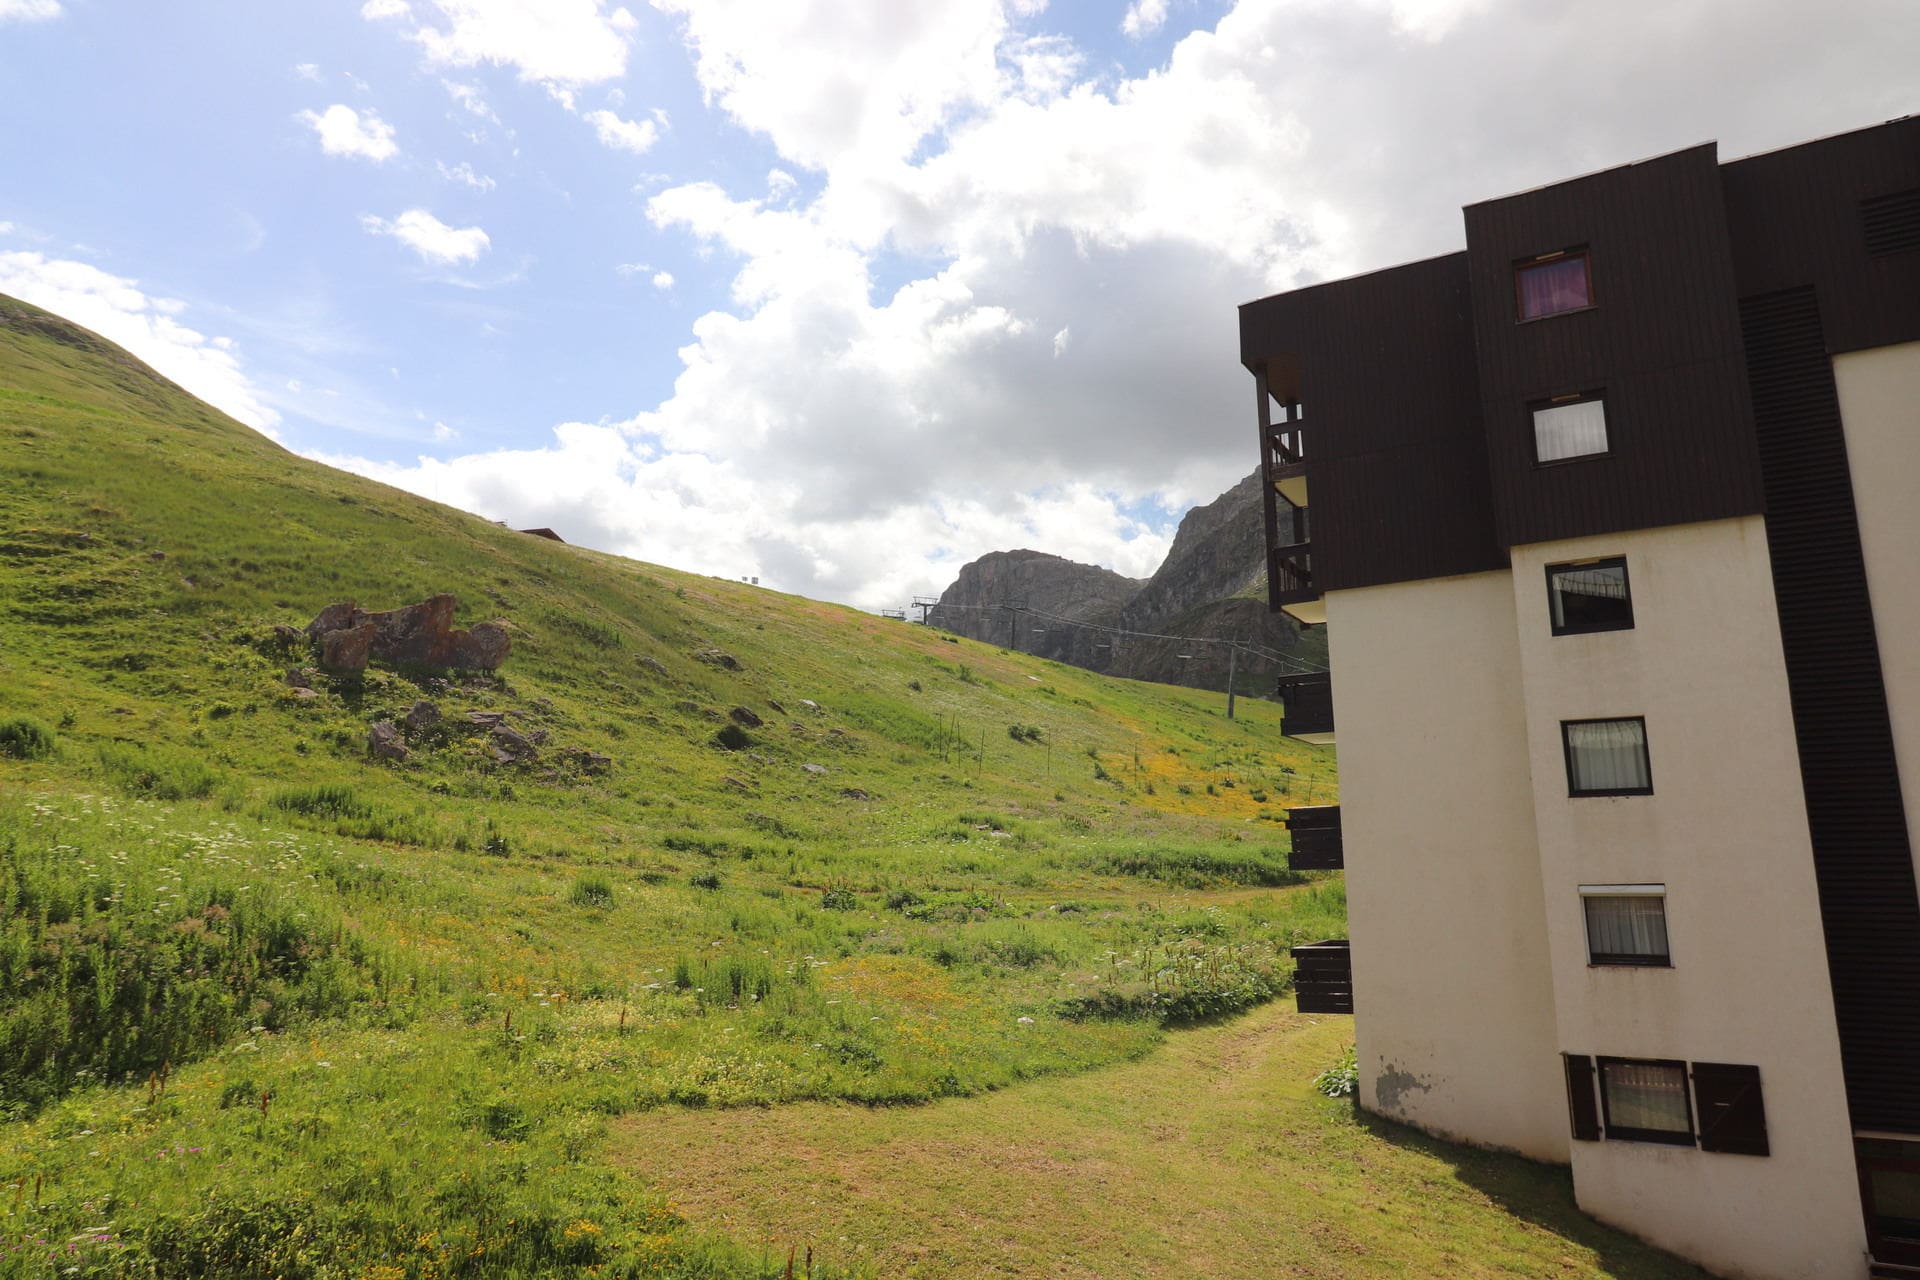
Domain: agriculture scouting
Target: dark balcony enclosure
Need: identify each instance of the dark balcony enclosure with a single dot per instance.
(1323, 976)
(1316, 838)
(1309, 706)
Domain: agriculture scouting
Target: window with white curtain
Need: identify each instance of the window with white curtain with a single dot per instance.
(1626, 923)
(1607, 757)
(1569, 427)
(1646, 1101)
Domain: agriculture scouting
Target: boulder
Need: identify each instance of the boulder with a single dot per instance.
(855, 793)
(745, 718)
(814, 768)
(654, 665)
(718, 658)
(347, 648)
(417, 635)
(383, 741)
(301, 693)
(486, 719)
(510, 747)
(287, 636)
(299, 678)
(420, 716)
(590, 761)
(809, 704)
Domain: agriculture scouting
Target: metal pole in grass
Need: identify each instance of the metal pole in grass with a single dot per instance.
(982, 769)
(1233, 657)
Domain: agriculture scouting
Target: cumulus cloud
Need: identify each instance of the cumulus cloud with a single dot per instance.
(1027, 270)
(663, 279)
(432, 239)
(557, 42)
(29, 10)
(117, 309)
(1144, 17)
(346, 132)
(637, 136)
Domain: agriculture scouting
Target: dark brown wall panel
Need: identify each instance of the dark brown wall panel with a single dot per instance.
(1796, 219)
(1383, 365)
(1662, 341)
(1862, 860)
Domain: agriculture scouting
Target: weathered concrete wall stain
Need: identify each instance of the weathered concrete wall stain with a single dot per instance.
(1393, 1084)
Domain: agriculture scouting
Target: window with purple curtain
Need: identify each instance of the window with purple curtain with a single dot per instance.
(1548, 288)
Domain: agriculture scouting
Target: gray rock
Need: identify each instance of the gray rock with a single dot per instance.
(814, 768)
(717, 658)
(510, 747)
(654, 665)
(420, 716)
(855, 793)
(384, 742)
(745, 718)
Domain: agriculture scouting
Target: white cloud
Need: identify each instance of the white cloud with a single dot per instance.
(117, 309)
(663, 280)
(346, 132)
(470, 97)
(1144, 17)
(307, 71)
(464, 173)
(557, 42)
(623, 135)
(443, 433)
(29, 10)
(429, 237)
(1024, 263)
(6, 228)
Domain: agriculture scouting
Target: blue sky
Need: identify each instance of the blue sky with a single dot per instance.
(839, 294)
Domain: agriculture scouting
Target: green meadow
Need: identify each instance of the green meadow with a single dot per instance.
(272, 1007)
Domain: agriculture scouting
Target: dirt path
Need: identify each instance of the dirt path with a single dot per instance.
(1211, 1158)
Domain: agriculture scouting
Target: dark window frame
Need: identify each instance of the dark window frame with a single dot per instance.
(1583, 1110)
(1627, 960)
(1561, 401)
(1603, 562)
(1520, 267)
(1566, 751)
(1884, 1245)
(1627, 1133)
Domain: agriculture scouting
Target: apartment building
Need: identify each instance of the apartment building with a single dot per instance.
(1613, 522)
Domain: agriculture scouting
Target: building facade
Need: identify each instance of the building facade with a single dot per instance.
(1611, 521)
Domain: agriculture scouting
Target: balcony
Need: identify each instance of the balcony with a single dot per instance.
(1316, 838)
(1323, 976)
(1283, 466)
(1309, 706)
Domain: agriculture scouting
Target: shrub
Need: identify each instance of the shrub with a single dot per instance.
(591, 891)
(903, 899)
(327, 800)
(1024, 732)
(732, 738)
(704, 880)
(158, 774)
(839, 898)
(1342, 1080)
(25, 739)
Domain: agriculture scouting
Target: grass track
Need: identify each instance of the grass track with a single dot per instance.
(1210, 1158)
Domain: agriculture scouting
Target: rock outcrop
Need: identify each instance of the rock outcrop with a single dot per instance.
(1212, 583)
(416, 635)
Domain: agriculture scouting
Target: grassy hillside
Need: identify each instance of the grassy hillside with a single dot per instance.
(274, 1007)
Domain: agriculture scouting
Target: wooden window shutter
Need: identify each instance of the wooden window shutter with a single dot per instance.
(1581, 1106)
(1732, 1117)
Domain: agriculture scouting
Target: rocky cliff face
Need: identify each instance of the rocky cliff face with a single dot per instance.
(1212, 584)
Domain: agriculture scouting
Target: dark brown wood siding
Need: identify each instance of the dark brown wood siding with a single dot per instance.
(1662, 342)
(1856, 817)
(1396, 470)
(1797, 218)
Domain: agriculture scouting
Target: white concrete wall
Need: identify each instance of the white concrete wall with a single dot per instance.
(1880, 410)
(1453, 1004)
(1725, 830)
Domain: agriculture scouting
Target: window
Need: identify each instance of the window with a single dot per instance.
(1607, 757)
(1552, 284)
(1590, 596)
(1890, 1178)
(1626, 923)
(1581, 1109)
(1568, 427)
(1643, 1101)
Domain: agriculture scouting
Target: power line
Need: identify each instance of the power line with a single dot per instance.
(1244, 646)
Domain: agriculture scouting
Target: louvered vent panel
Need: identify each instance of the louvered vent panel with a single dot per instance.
(1863, 865)
(1892, 222)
